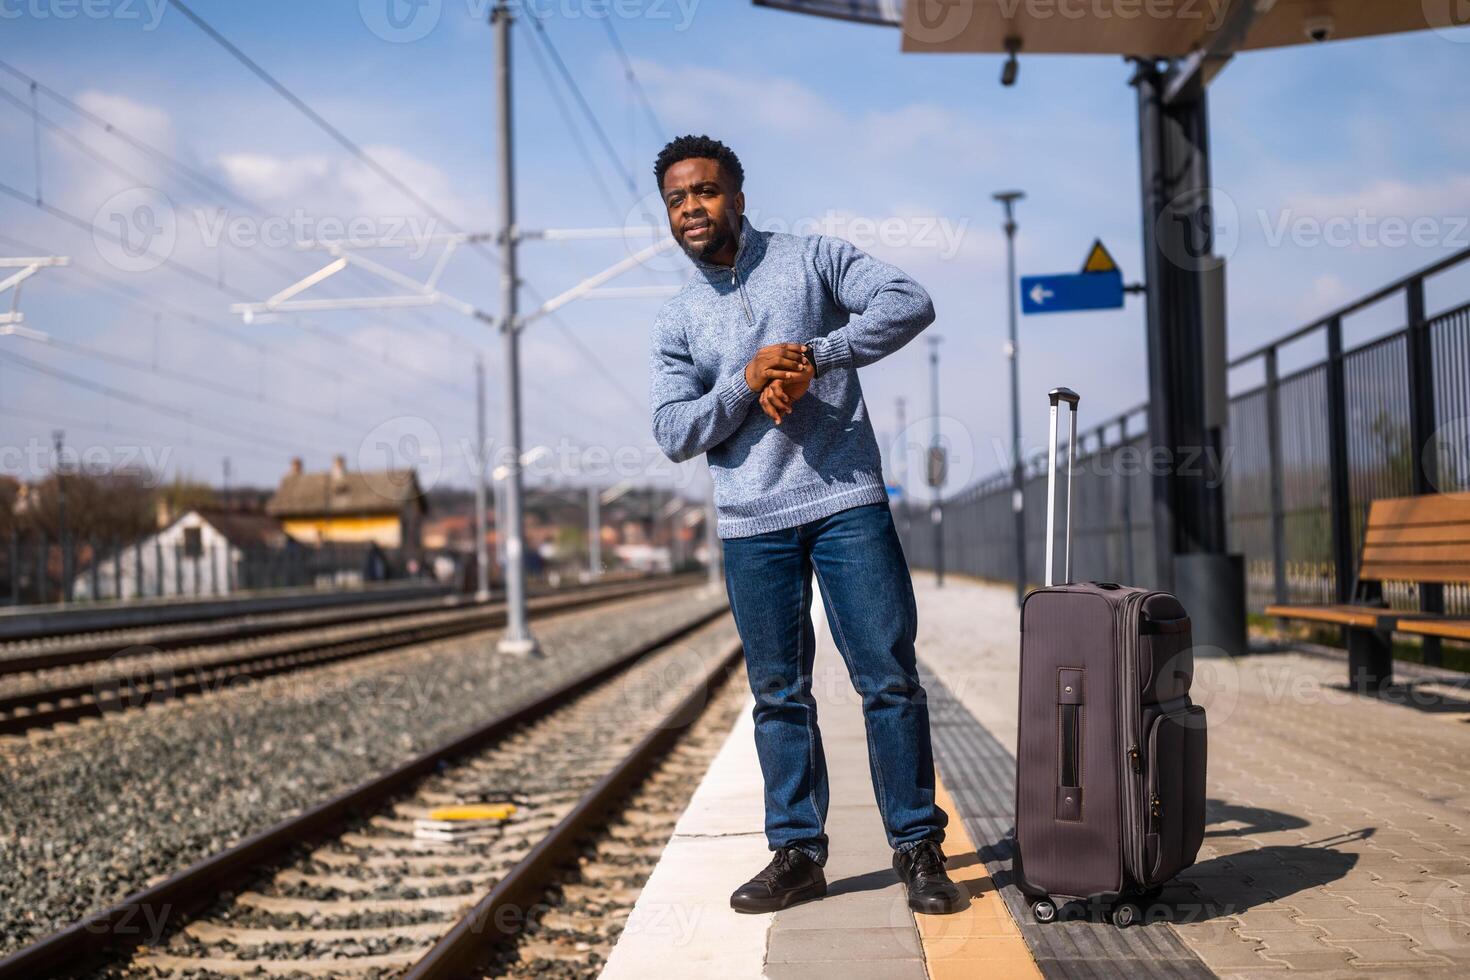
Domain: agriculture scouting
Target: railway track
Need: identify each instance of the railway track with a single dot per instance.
(141, 677)
(36, 653)
(346, 889)
(65, 650)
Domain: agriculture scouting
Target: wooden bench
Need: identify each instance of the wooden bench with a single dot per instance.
(1423, 539)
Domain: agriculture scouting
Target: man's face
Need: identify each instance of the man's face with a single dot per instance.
(704, 217)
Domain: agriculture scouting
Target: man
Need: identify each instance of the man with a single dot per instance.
(784, 322)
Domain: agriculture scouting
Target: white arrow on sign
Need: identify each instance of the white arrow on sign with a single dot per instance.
(1040, 294)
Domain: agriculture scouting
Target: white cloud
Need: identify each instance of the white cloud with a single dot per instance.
(1392, 198)
(150, 124)
(265, 177)
(344, 186)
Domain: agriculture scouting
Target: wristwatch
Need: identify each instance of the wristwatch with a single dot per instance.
(810, 354)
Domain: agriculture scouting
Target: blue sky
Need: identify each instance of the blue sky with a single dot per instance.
(834, 125)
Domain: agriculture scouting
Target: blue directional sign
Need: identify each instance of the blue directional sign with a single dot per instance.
(1099, 286)
(1073, 291)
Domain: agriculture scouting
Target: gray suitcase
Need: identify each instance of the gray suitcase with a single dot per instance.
(1110, 754)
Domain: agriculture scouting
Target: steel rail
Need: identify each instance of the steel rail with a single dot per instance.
(500, 915)
(44, 707)
(170, 903)
(174, 637)
(81, 648)
(21, 623)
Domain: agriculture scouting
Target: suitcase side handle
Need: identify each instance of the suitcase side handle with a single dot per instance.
(1056, 396)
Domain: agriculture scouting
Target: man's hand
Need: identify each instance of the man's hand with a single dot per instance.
(777, 362)
(781, 395)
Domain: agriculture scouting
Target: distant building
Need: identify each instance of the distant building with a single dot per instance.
(382, 507)
(203, 552)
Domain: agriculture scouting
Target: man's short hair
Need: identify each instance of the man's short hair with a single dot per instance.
(701, 147)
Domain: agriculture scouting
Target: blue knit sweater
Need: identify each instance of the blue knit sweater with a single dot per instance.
(851, 308)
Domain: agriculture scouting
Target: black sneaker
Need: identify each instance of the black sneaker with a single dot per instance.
(921, 869)
(791, 877)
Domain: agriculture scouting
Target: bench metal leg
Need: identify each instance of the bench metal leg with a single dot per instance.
(1370, 660)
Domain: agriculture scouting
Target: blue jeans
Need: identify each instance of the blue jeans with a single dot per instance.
(865, 582)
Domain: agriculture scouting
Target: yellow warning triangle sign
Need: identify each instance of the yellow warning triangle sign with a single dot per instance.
(1098, 259)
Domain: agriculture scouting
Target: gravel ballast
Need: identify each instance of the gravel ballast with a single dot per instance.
(93, 813)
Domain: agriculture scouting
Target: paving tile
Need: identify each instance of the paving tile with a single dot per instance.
(1324, 961)
(1253, 921)
(819, 945)
(1367, 951)
(1290, 942)
(909, 969)
(1227, 957)
(1013, 963)
(1338, 839)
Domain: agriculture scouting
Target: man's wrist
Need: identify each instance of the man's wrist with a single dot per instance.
(829, 352)
(736, 393)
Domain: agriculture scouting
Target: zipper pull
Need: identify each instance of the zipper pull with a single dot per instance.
(1155, 806)
(1133, 761)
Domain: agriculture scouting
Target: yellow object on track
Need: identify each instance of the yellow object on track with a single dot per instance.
(474, 811)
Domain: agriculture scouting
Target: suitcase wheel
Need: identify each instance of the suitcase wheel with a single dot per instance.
(1125, 914)
(1044, 911)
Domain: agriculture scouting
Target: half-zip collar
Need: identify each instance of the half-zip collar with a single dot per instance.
(747, 253)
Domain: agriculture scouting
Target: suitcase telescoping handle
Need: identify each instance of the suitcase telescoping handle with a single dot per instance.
(1071, 398)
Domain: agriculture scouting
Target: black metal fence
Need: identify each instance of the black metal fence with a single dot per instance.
(35, 568)
(1305, 454)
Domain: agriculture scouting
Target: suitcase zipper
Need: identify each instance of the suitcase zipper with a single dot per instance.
(1134, 825)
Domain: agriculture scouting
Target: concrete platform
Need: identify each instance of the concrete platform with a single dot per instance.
(683, 925)
(1338, 841)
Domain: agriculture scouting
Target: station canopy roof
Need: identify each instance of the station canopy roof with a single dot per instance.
(1147, 28)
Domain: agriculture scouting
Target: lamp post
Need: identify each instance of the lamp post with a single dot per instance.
(59, 437)
(1008, 200)
(518, 637)
(936, 463)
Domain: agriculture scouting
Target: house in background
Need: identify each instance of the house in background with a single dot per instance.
(203, 552)
(341, 506)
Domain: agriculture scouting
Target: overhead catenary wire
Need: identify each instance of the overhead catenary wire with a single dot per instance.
(182, 377)
(341, 138)
(194, 174)
(327, 370)
(540, 31)
(352, 147)
(107, 427)
(263, 258)
(632, 76)
(173, 411)
(571, 126)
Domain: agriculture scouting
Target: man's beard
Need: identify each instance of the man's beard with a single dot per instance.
(720, 237)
